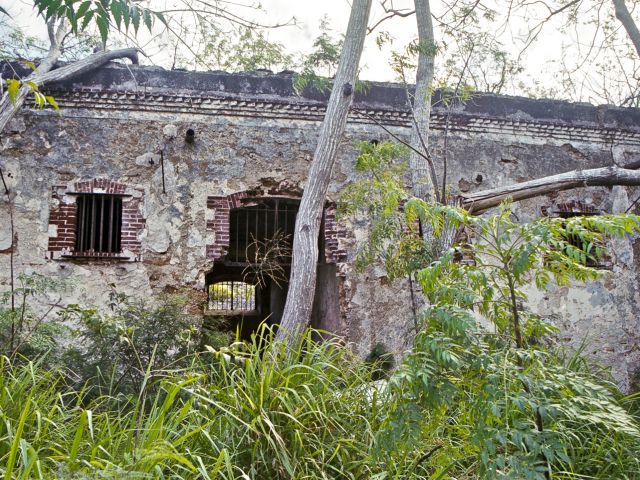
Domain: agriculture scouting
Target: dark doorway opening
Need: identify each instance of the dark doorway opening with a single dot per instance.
(249, 284)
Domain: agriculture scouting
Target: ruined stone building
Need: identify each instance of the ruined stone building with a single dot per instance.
(155, 180)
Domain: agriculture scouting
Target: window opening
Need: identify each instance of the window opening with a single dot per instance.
(575, 208)
(232, 296)
(98, 223)
(250, 226)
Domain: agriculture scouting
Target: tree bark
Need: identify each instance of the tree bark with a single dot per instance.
(297, 310)
(623, 14)
(596, 177)
(44, 73)
(423, 174)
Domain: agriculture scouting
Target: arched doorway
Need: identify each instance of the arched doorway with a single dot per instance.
(248, 283)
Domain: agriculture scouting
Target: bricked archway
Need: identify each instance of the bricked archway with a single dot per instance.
(236, 219)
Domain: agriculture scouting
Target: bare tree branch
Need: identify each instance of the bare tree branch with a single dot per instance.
(391, 13)
(479, 202)
(44, 74)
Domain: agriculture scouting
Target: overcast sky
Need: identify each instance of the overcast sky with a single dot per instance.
(542, 61)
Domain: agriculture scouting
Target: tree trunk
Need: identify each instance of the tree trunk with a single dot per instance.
(297, 310)
(43, 74)
(623, 14)
(9, 108)
(423, 174)
(596, 177)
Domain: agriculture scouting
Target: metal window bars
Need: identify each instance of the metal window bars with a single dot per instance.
(232, 296)
(98, 223)
(268, 219)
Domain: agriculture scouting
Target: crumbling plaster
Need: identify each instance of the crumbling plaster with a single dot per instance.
(116, 129)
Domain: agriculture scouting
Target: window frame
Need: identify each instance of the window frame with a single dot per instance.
(114, 225)
(63, 243)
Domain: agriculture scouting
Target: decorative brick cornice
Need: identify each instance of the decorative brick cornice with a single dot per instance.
(111, 101)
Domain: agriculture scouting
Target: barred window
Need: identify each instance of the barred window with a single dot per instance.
(232, 296)
(98, 223)
(270, 221)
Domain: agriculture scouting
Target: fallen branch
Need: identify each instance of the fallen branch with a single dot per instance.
(86, 64)
(44, 74)
(479, 202)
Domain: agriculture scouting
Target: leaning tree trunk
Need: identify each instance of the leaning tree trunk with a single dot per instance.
(297, 310)
(423, 175)
(623, 14)
(44, 73)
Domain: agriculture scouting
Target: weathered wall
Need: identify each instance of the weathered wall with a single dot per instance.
(251, 131)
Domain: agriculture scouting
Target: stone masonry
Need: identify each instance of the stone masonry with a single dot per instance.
(123, 131)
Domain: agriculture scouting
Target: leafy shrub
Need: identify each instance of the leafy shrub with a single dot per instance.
(506, 406)
(29, 324)
(137, 338)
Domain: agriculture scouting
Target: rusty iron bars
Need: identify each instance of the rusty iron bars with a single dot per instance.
(232, 296)
(98, 223)
(266, 219)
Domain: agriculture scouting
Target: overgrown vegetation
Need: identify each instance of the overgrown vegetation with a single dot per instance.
(484, 393)
(25, 331)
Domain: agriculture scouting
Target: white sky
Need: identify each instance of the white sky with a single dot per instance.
(542, 61)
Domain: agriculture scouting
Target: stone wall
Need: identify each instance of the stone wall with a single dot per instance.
(126, 127)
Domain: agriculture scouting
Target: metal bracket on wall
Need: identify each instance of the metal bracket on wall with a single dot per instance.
(4, 184)
(162, 167)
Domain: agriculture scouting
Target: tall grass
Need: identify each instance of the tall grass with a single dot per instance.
(262, 414)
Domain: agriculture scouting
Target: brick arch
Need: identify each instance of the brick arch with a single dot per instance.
(220, 207)
(100, 185)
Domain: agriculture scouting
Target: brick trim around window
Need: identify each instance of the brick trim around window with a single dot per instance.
(63, 218)
(220, 214)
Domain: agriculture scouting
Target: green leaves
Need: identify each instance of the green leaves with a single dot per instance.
(13, 87)
(479, 368)
(40, 100)
(105, 14)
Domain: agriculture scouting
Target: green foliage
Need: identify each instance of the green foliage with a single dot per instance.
(263, 414)
(376, 202)
(526, 413)
(26, 330)
(13, 87)
(136, 339)
(105, 14)
(504, 404)
(478, 61)
(246, 50)
(253, 411)
(320, 65)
